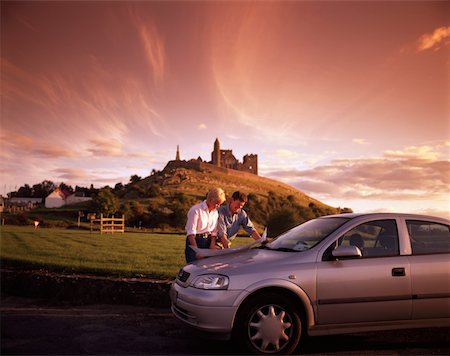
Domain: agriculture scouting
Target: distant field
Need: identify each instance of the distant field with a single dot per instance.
(80, 251)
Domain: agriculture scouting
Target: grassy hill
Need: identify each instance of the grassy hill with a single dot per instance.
(196, 180)
(181, 184)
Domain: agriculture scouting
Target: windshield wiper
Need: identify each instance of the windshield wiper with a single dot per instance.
(284, 249)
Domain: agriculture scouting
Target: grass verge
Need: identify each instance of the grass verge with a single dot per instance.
(148, 255)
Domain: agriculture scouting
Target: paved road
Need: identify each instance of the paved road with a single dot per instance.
(33, 327)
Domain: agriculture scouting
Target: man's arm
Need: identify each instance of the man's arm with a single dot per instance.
(248, 226)
(191, 229)
(191, 224)
(225, 242)
(222, 232)
(255, 235)
(192, 241)
(213, 242)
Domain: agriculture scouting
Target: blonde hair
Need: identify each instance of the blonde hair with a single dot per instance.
(216, 195)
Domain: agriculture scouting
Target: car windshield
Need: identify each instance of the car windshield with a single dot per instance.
(307, 235)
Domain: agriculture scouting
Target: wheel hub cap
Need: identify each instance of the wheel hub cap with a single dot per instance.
(268, 329)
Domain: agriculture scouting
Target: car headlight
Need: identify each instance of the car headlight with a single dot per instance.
(211, 281)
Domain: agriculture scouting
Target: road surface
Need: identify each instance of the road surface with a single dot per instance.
(33, 327)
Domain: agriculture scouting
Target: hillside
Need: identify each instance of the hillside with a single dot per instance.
(196, 179)
(168, 194)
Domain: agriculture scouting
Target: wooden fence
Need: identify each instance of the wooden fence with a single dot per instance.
(110, 225)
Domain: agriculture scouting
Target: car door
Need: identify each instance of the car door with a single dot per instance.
(375, 287)
(430, 269)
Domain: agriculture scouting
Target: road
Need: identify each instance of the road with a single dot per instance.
(34, 327)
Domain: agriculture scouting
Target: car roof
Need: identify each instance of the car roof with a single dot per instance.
(388, 215)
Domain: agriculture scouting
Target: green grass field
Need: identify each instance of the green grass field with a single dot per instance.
(80, 251)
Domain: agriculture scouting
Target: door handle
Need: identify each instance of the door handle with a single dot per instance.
(398, 272)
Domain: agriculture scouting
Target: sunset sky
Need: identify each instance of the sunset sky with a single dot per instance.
(347, 101)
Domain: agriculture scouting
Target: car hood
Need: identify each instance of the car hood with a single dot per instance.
(242, 261)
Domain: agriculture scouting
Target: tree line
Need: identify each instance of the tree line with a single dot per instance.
(152, 206)
(43, 189)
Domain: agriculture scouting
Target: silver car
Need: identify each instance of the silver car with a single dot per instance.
(334, 274)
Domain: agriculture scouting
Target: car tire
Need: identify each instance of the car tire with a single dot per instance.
(269, 324)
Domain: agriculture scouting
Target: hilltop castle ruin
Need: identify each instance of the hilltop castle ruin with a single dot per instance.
(226, 159)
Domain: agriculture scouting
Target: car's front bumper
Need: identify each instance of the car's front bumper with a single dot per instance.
(207, 310)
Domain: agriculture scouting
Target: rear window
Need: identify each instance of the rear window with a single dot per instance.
(428, 237)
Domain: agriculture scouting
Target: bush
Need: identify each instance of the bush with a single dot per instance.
(153, 191)
(256, 209)
(282, 220)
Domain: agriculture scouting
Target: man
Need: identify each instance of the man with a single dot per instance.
(231, 218)
(201, 226)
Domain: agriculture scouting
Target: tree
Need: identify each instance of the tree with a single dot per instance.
(153, 191)
(178, 216)
(135, 179)
(135, 213)
(25, 191)
(64, 187)
(82, 191)
(42, 190)
(345, 210)
(257, 209)
(119, 187)
(274, 201)
(106, 202)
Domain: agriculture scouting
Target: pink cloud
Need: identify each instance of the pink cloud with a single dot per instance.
(434, 40)
(399, 179)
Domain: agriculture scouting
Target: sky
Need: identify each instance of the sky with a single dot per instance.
(347, 101)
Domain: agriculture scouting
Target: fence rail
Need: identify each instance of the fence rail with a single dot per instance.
(110, 225)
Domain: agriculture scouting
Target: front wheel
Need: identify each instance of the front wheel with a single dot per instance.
(269, 324)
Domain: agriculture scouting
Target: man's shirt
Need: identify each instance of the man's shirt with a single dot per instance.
(229, 224)
(200, 220)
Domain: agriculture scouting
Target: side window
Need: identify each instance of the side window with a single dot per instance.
(377, 238)
(428, 237)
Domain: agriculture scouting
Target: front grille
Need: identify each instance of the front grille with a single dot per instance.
(183, 275)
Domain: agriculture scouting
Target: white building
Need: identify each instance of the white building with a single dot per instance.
(59, 198)
(55, 199)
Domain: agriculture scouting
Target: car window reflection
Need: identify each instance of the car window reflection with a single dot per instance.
(307, 235)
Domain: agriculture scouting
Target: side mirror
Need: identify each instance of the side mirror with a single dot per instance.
(351, 251)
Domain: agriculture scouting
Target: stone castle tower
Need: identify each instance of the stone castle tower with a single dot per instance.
(215, 155)
(226, 159)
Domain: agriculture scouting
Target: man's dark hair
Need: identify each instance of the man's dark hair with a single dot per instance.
(239, 196)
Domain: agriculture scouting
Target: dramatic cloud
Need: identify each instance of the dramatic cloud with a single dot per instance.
(434, 40)
(400, 175)
(26, 145)
(105, 147)
(285, 154)
(153, 48)
(360, 141)
(416, 152)
(73, 174)
(52, 151)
